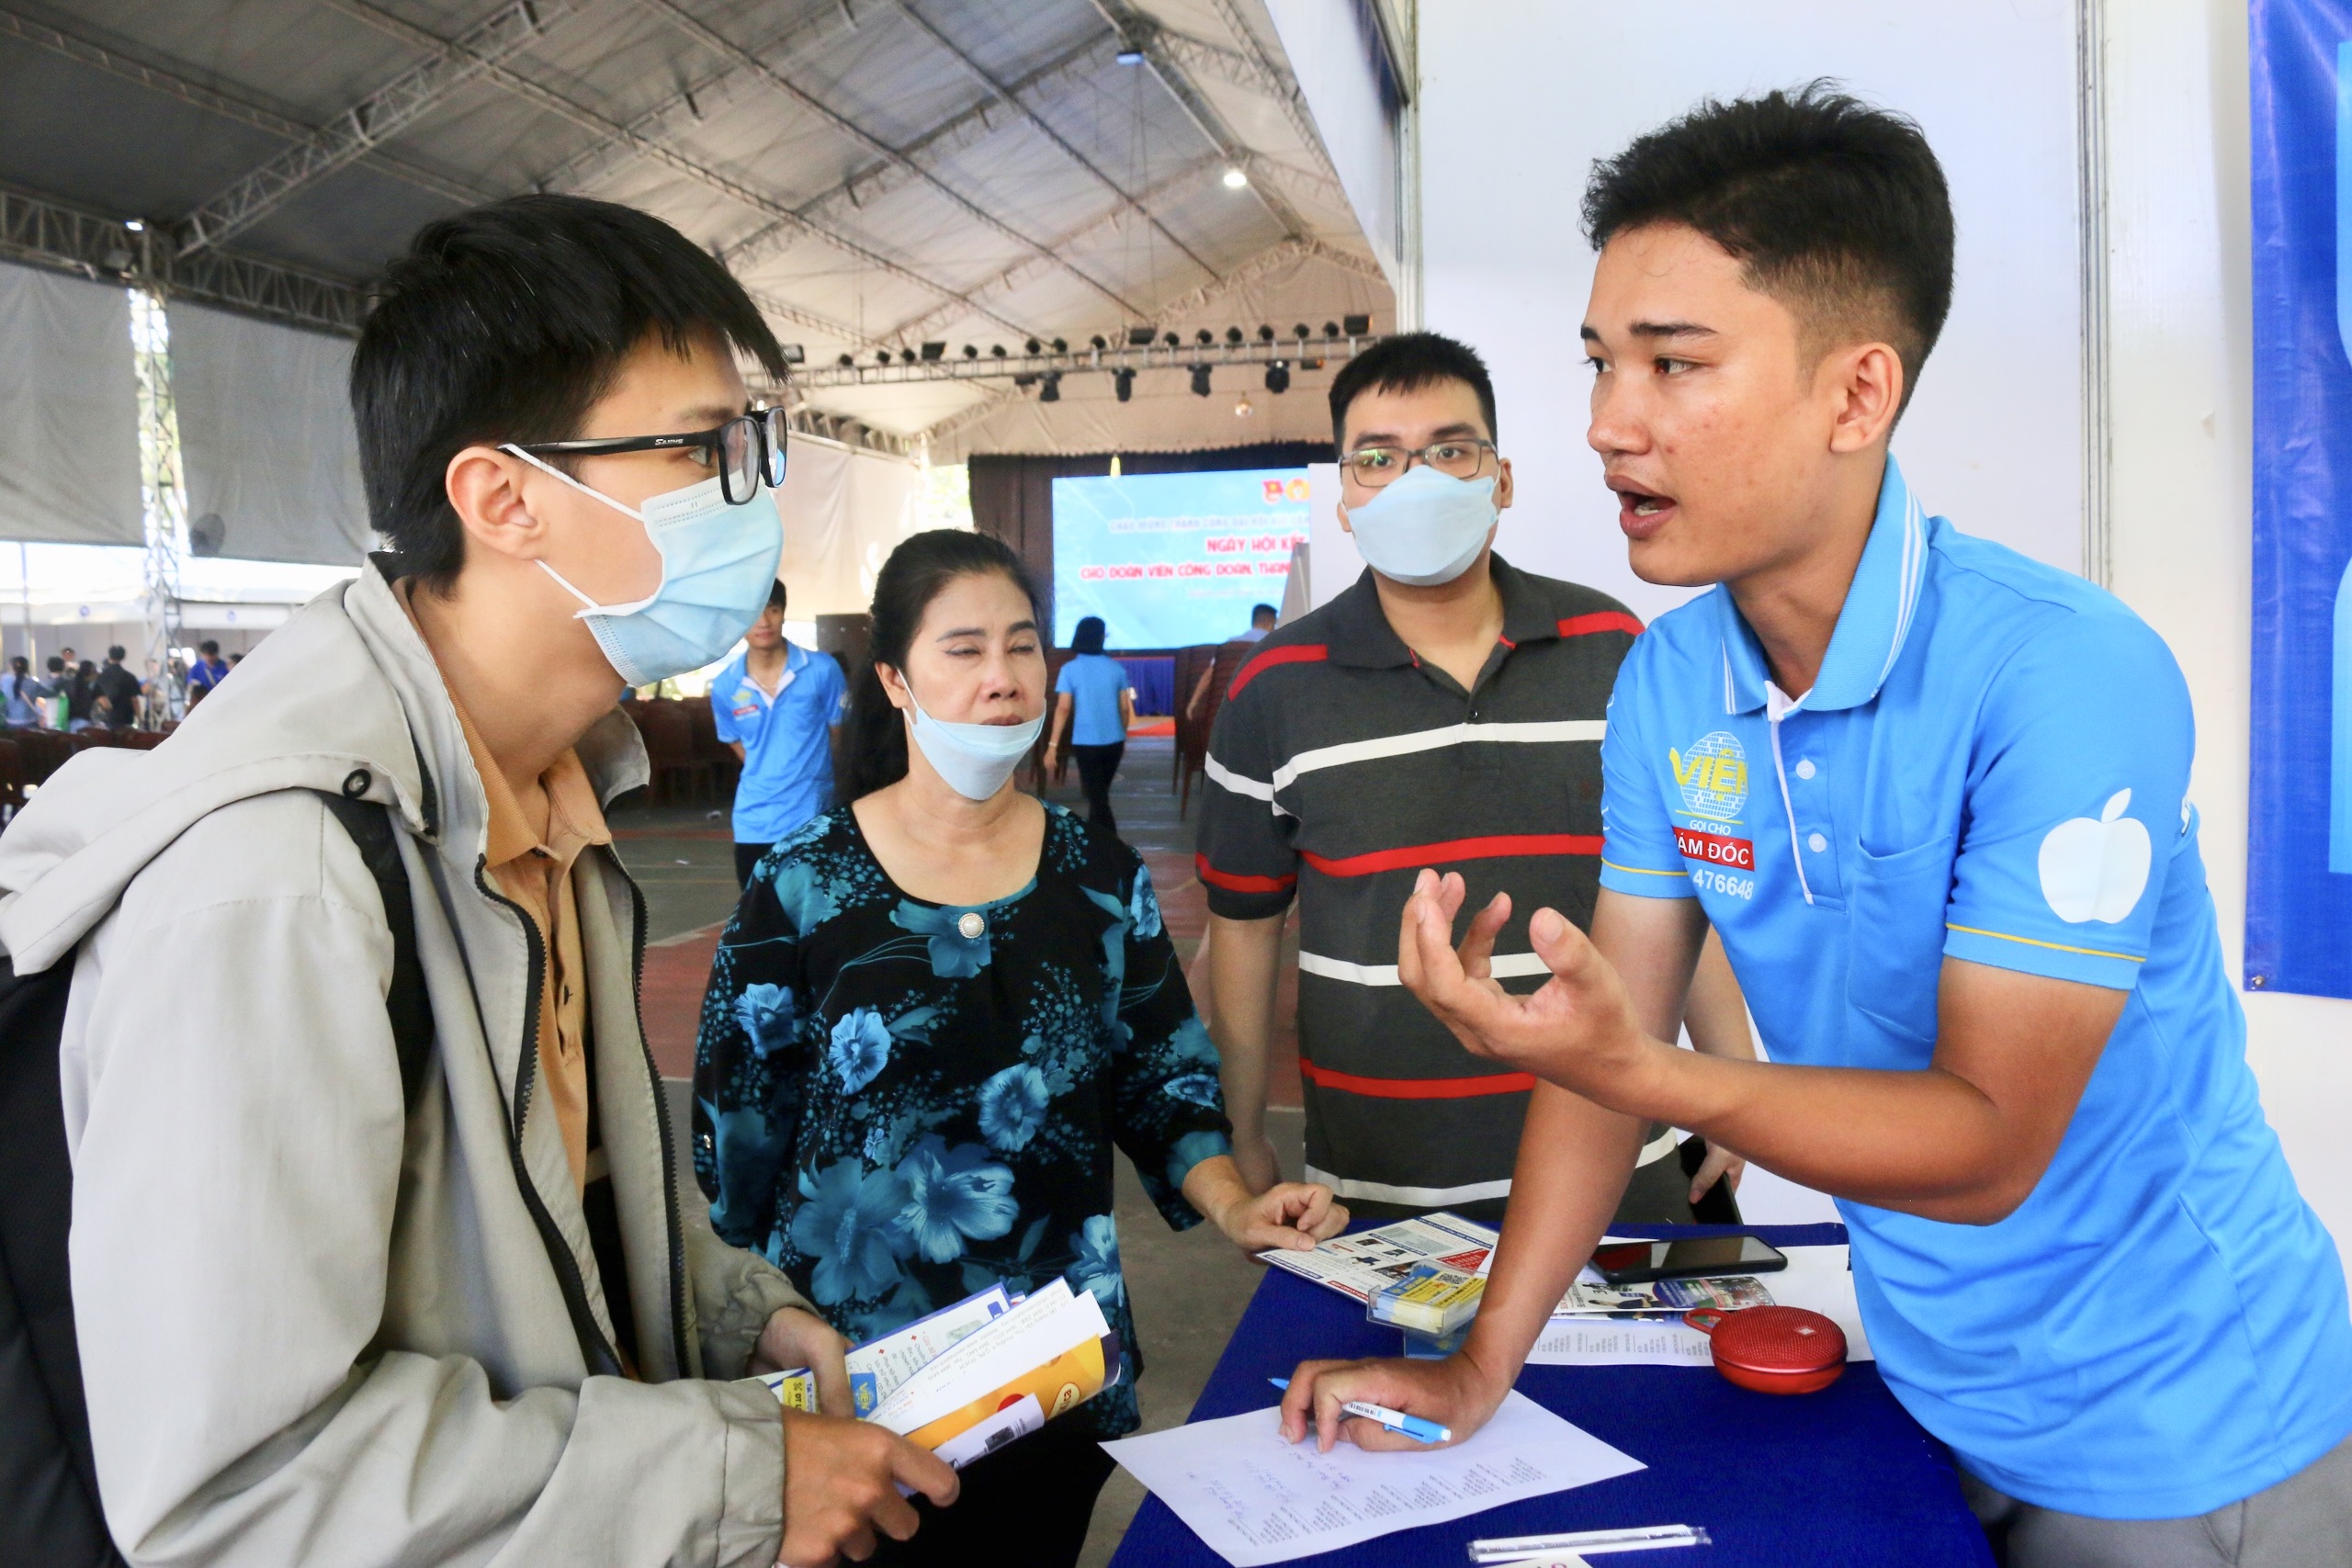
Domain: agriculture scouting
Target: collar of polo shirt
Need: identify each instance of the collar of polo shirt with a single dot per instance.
(1871, 625)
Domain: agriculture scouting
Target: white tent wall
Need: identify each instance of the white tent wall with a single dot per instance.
(1340, 60)
(1518, 99)
(69, 411)
(844, 511)
(266, 441)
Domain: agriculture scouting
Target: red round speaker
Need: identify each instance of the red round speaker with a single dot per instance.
(1774, 1349)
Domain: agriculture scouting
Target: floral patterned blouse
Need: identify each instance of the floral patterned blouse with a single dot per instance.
(899, 1102)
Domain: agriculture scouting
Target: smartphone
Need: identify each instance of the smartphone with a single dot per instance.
(1631, 1262)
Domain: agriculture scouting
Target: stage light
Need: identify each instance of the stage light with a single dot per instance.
(1050, 389)
(1356, 326)
(1123, 383)
(135, 226)
(1033, 346)
(1265, 334)
(845, 361)
(1061, 345)
(1278, 377)
(1099, 341)
(933, 351)
(1331, 329)
(881, 356)
(1244, 407)
(1299, 332)
(1233, 336)
(794, 354)
(1236, 179)
(905, 357)
(1130, 49)
(970, 352)
(1200, 381)
(1140, 337)
(1205, 338)
(996, 350)
(1171, 340)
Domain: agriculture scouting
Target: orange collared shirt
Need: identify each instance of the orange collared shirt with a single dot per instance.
(535, 874)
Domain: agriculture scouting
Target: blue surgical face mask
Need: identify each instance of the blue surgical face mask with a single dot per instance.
(717, 567)
(1424, 527)
(975, 759)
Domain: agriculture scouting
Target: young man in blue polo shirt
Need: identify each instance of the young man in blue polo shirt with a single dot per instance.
(1932, 796)
(777, 705)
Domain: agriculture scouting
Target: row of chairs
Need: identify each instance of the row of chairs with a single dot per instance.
(1222, 660)
(28, 757)
(689, 761)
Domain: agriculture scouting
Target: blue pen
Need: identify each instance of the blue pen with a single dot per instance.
(1413, 1427)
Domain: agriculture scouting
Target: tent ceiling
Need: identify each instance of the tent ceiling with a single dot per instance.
(880, 173)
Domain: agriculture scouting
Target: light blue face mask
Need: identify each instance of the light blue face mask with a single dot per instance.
(1424, 527)
(975, 759)
(717, 567)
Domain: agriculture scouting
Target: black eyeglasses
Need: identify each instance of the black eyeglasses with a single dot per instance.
(746, 451)
(1461, 457)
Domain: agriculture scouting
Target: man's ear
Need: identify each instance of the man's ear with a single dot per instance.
(1868, 388)
(1502, 485)
(485, 489)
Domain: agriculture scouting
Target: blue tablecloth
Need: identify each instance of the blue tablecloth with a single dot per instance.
(1844, 1476)
(1154, 678)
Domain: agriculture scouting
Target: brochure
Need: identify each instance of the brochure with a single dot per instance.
(1369, 1261)
(975, 1376)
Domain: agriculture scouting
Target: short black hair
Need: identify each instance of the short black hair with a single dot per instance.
(1263, 612)
(775, 595)
(116, 653)
(208, 646)
(1088, 635)
(1836, 208)
(506, 322)
(1406, 362)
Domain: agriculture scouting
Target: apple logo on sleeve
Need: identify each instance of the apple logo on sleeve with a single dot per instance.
(2096, 870)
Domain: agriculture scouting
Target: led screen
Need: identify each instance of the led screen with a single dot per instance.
(1169, 560)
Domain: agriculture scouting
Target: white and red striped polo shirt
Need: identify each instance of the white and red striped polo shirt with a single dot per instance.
(1342, 765)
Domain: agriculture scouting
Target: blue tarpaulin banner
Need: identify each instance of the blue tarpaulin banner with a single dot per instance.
(2299, 872)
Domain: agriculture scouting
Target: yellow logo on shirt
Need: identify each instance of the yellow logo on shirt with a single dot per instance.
(1713, 777)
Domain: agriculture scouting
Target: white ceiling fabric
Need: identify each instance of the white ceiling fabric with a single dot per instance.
(266, 440)
(844, 511)
(69, 411)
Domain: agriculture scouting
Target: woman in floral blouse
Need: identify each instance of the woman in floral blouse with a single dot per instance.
(936, 1010)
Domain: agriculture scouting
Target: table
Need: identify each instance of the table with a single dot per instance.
(1153, 678)
(1844, 1476)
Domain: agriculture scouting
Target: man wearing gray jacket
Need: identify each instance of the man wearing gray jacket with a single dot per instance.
(328, 1317)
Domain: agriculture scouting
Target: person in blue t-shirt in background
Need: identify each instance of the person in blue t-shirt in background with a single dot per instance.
(208, 671)
(1933, 795)
(1096, 708)
(778, 706)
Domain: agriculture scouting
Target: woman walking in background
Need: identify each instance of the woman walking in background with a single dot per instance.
(937, 1010)
(1096, 708)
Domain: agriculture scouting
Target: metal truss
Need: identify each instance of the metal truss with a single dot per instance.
(1082, 361)
(718, 43)
(376, 119)
(1017, 101)
(1146, 37)
(49, 233)
(955, 133)
(849, 432)
(1021, 271)
(157, 78)
(733, 189)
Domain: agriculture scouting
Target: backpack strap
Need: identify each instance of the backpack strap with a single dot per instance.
(370, 828)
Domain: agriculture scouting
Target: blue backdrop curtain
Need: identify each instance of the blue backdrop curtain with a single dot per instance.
(1012, 497)
(2299, 881)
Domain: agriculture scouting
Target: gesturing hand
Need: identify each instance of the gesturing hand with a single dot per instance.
(1578, 1031)
(841, 1485)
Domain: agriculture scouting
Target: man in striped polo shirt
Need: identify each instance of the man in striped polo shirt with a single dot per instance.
(1445, 711)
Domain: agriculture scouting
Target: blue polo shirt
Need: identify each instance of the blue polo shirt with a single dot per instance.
(1992, 766)
(787, 752)
(1094, 681)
